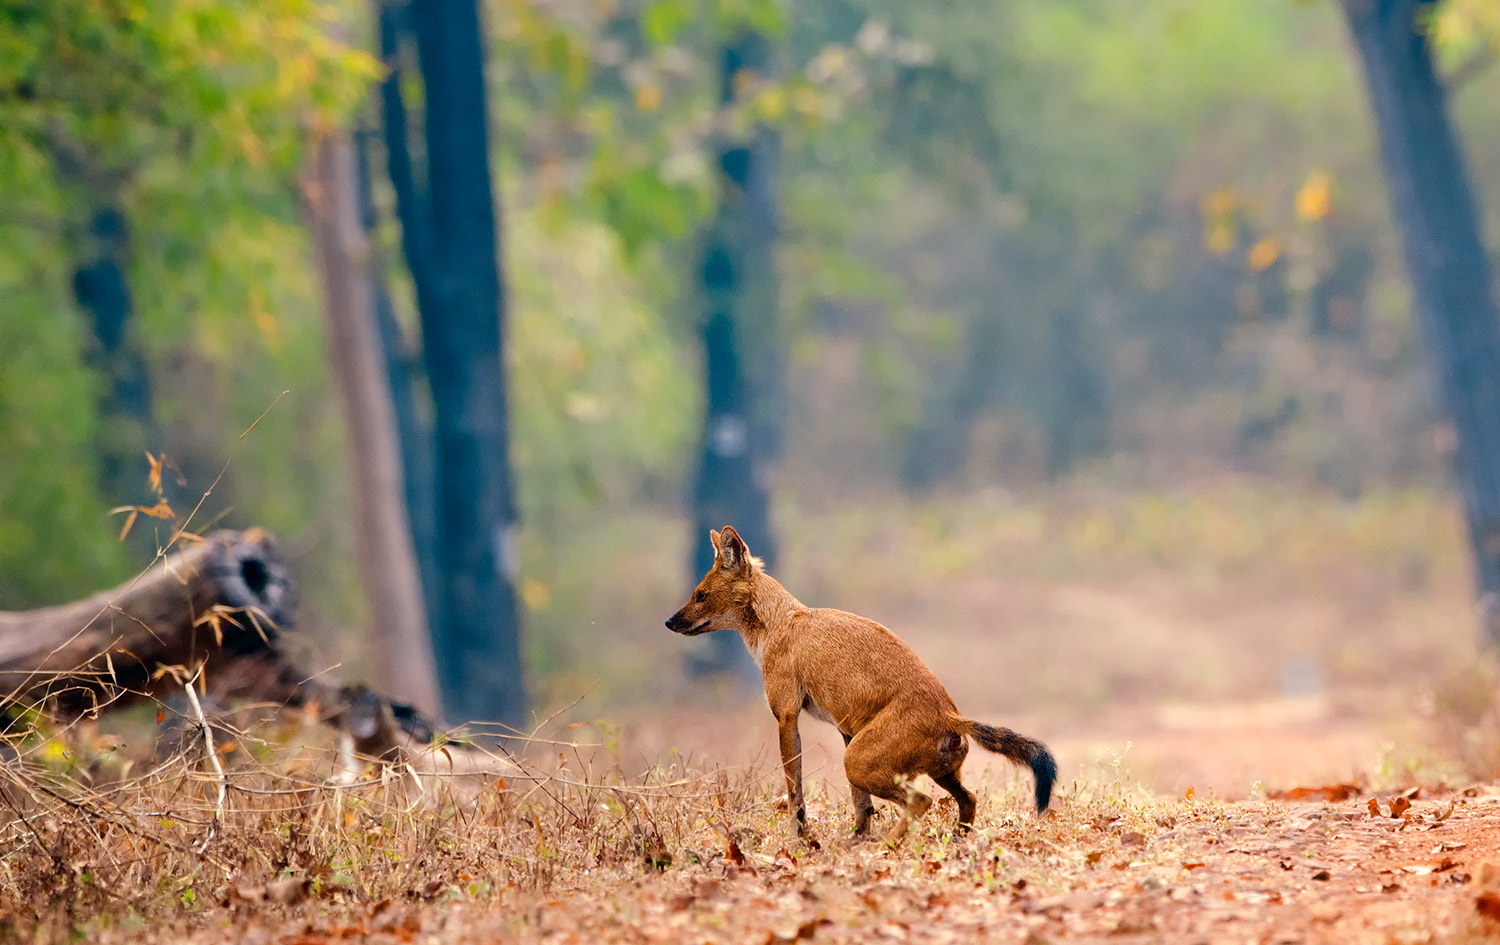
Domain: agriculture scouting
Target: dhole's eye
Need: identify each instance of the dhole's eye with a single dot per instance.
(701, 597)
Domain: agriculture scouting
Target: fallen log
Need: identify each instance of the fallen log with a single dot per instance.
(228, 594)
(218, 610)
(224, 602)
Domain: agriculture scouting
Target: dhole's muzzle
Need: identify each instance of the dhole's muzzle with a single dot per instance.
(684, 625)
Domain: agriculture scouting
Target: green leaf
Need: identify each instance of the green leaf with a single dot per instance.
(662, 21)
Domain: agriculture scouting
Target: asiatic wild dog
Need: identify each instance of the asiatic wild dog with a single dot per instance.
(897, 719)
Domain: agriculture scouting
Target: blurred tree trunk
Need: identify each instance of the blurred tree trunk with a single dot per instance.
(397, 52)
(937, 449)
(451, 241)
(1074, 411)
(403, 370)
(741, 343)
(1437, 212)
(126, 419)
(387, 561)
(100, 286)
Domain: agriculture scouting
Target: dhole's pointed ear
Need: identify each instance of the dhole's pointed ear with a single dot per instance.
(713, 536)
(733, 555)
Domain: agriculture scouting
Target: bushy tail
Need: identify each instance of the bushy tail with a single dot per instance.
(1022, 750)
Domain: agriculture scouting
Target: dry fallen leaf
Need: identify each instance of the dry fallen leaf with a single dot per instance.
(1422, 869)
(734, 854)
(1488, 905)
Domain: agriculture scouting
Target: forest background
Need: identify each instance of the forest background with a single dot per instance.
(1092, 350)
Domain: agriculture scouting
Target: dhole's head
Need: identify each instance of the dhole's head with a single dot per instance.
(721, 600)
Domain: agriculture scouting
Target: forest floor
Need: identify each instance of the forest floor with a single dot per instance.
(1244, 872)
(580, 847)
(1238, 691)
(1109, 865)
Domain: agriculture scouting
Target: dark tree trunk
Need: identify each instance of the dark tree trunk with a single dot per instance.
(125, 410)
(1074, 411)
(742, 350)
(1436, 210)
(418, 445)
(413, 433)
(451, 241)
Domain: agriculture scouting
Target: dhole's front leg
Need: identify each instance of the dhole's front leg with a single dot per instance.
(791, 764)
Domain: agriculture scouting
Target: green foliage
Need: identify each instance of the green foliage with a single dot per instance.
(611, 109)
(663, 21)
(957, 178)
(1463, 28)
(191, 119)
(55, 541)
(1104, 205)
(604, 396)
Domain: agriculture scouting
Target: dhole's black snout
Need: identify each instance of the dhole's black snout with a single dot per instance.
(681, 624)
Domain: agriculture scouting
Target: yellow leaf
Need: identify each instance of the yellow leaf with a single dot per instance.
(1314, 199)
(648, 97)
(1220, 203)
(265, 322)
(805, 101)
(536, 594)
(153, 477)
(1263, 255)
(771, 104)
(1219, 238)
(251, 147)
(160, 510)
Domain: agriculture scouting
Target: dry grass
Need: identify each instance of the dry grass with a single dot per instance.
(90, 849)
(572, 847)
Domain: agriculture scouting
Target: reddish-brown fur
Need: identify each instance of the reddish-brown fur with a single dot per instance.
(897, 719)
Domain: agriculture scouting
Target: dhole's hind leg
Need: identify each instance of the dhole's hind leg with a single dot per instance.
(869, 773)
(864, 808)
(966, 806)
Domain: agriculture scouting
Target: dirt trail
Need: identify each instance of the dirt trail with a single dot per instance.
(1200, 873)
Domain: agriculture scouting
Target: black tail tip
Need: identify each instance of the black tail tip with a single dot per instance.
(1044, 767)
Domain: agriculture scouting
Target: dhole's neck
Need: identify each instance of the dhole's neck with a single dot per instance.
(772, 606)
